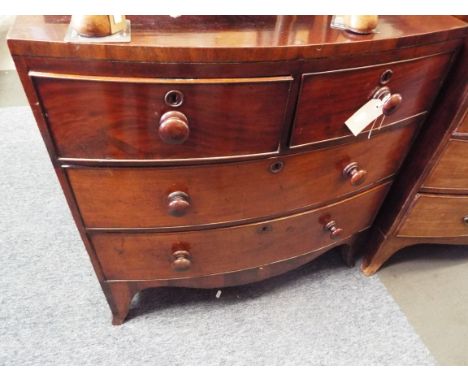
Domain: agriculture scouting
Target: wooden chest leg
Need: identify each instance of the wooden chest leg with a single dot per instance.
(347, 255)
(349, 251)
(119, 295)
(379, 249)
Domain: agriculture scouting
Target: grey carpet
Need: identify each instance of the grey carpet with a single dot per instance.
(53, 311)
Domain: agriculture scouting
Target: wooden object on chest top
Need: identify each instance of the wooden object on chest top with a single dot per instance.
(212, 151)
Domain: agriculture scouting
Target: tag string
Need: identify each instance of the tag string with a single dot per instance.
(385, 99)
(372, 127)
(380, 126)
(381, 122)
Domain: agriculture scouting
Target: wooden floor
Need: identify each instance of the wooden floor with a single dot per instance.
(429, 283)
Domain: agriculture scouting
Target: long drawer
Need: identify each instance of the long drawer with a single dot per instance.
(209, 194)
(451, 171)
(118, 118)
(146, 256)
(436, 216)
(328, 99)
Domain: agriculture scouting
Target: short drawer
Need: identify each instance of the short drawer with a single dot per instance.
(146, 256)
(328, 99)
(451, 172)
(436, 216)
(209, 194)
(117, 118)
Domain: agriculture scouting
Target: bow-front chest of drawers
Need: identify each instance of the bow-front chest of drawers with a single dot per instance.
(212, 151)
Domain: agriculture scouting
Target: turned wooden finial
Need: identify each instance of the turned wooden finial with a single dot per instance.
(97, 25)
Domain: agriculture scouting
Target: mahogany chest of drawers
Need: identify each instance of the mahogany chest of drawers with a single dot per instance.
(212, 151)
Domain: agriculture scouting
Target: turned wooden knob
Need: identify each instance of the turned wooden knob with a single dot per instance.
(173, 127)
(181, 260)
(335, 232)
(178, 203)
(392, 104)
(355, 174)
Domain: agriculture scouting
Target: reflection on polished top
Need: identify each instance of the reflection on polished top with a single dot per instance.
(230, 38)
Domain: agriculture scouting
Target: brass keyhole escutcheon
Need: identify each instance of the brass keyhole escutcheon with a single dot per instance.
(386, 76)
(174, 98)
(276, 166)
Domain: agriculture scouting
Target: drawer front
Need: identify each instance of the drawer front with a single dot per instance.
(146, 256)
(126, 118)
(328, 99)
(144, 197)
(451, 172)
(436, 216)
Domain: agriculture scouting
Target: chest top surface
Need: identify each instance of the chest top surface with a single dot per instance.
(231, 38)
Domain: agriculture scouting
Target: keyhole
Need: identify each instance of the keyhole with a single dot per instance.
(265, 229)
(276, 167)
(174, 98)
(386, 77)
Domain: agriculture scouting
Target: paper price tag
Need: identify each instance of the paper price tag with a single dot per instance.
(369, 112)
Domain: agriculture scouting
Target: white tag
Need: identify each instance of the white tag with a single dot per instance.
(117, 19)
(369, 112)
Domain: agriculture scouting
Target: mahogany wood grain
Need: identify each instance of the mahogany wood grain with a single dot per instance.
(139, 196)
(120, 120)
(436, 216)
(147, 256)
(450, 174)
(234, 38)
(234, 69)
(328, 99)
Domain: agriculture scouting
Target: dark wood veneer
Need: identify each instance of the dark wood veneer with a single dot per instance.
(148, 256)
(328, 99)
(119, 118)
(280, 38)
(139, 196)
